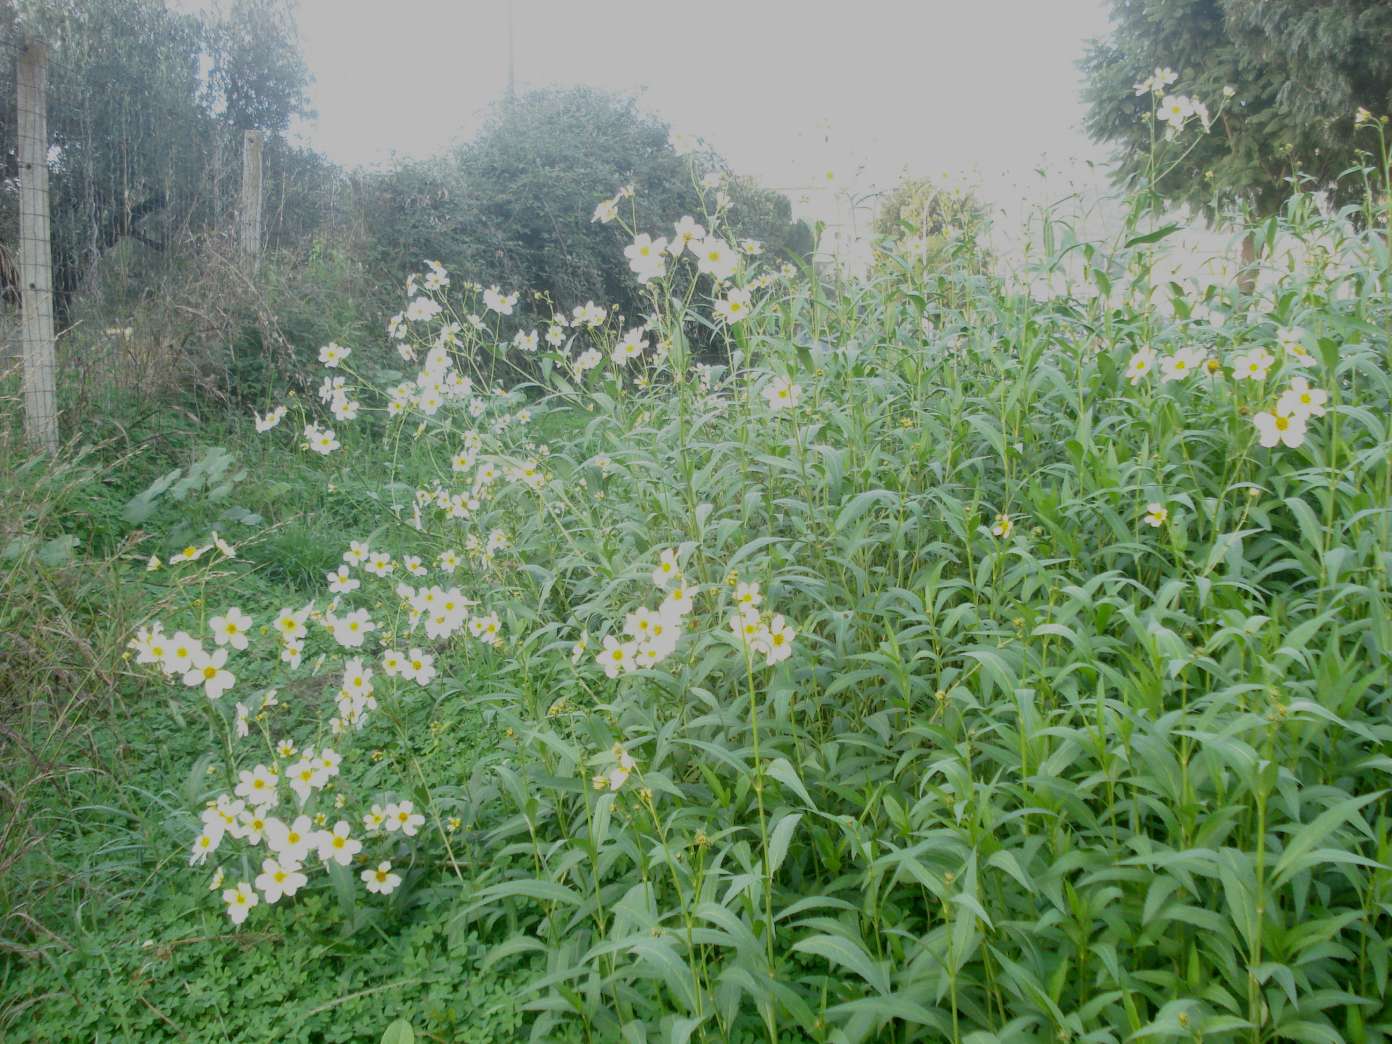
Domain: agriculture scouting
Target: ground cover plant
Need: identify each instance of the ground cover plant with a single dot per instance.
(940, 660)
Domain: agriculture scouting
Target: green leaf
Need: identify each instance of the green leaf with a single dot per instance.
(781, 770)
(780, 838)
(1312, 833)
(841, 951)
(1152, 237)
(59, 550)
(399, 1032)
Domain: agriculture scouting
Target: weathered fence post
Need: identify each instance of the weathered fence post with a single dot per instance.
(35, 252)
(251, 197)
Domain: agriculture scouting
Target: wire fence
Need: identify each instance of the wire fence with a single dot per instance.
(111, 171)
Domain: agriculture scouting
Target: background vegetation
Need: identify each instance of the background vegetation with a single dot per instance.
(1084, 733)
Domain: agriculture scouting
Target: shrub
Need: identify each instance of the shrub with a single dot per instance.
(514, 205)
(948, 664)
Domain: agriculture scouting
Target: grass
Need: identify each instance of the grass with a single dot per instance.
(96, 932)
(1034, 768)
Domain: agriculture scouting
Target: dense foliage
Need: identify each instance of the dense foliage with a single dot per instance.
(144, 147)
(956, 663)
(514, 205)
(1299, 72)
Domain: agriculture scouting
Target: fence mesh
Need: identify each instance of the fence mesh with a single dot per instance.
(130, 177)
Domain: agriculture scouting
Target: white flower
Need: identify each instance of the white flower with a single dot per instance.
(239, 901)
(418, 667)
(271, 419)
(258, 786)
(645, 257)
(231, 628)
(277, 879)
(1274, 428)
(336, 846)
(616, 656)
(208, 671)
(291, 842)
(351, 631)
(321, 440)
(587, 314)
(588, 360)
(204, 845)
(734, 306)
(1156, 514)
(1292, 341)
(667, 568)
(715, 258)
(422, 309)
(190, 554)
(403, 817)
(437, 278)
(148, 644)
(345, 409)
(747, 625)
(1141, 364)
(689, 235)
(292, 652)
(333, 354)
(341, 581)
(1175, 109)
(1180, 365)
(775, 641)
(180, 652)
(329, 761)
(381, 880)
(782, 393)
(305, 778)
(496, 300)
(1253, 365)
(677, 603)
(616, 777)
(290, 624)
(630, 347)
(605, 212)
(1301, 400)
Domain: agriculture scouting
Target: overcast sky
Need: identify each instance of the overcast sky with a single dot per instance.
(985, 90)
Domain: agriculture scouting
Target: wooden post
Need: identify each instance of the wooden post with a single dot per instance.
(251, 197)
(35, 251)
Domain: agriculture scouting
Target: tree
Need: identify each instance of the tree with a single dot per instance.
(513, 205)
(1298, 70)
(258, 76)
(140, 138)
